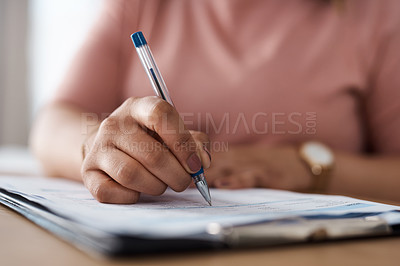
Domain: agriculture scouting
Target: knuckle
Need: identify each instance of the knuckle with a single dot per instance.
(183, 142)
(126, 173)
(154, 158)
(84, 167)
(100, 192)
(109, 125)
(89, 164)
(130, 101)
(108, 122)
(160, 113)
(162, 107)
(84, 175)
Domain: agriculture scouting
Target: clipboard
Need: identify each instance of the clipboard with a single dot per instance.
(289, 230)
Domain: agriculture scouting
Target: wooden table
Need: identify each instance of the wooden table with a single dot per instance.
(24, 243)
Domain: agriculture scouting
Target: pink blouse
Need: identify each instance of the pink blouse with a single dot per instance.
(254, 71)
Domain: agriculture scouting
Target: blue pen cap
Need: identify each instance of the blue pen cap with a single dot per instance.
(138, 39)
(201, 171)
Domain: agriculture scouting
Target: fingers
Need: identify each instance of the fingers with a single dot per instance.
(159, 116)
(106, 190)
(155, 158)
(130, 173)
(142, 147)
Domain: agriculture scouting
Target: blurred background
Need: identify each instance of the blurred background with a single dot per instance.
(38, 39)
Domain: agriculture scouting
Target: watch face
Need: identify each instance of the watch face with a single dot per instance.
(318, 153)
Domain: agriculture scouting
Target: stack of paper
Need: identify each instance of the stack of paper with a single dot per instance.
(68, 209)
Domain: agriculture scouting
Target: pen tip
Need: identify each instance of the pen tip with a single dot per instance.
(209, 202)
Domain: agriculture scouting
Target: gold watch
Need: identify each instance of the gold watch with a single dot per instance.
(320, 159)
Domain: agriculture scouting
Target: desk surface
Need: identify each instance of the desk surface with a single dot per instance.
(24, 243)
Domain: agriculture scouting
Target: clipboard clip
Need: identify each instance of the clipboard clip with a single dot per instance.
(298, 230)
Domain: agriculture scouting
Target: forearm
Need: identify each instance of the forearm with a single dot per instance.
(56, 140)
(373, 177)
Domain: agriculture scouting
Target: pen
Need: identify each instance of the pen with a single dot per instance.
(161, 90)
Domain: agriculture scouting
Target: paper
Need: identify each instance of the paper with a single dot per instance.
(180, 214)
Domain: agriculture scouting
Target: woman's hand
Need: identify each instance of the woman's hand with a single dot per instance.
(259, 166)
(142, 147)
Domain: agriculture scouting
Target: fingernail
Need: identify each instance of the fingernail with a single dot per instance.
(194, 163)
(207, 151)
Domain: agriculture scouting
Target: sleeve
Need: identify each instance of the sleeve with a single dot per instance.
(93, 81)
(383, 98)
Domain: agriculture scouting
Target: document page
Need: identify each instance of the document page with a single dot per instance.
(179, 214)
